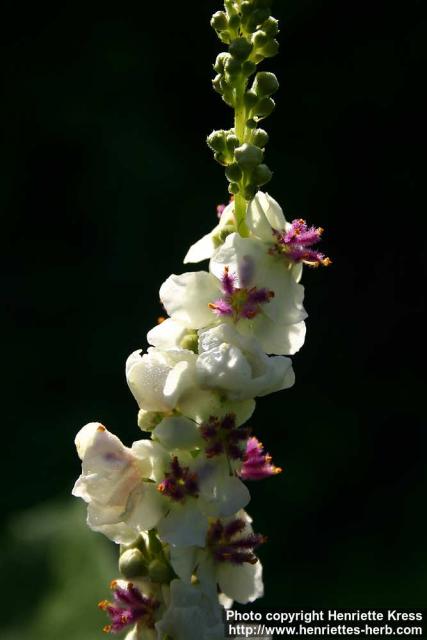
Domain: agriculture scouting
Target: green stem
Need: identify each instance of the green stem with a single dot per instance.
(240, 204)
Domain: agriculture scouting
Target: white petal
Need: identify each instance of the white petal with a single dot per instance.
(241, 255)
(263, 215)
(186, 298)
(178, 432)
(222, 494)
(203, 249)
(146, 376)
(225, 601)
(200, 404)
(109, 470)
(274, 337)
(116, 530)
(179, 380)
(242, 583)
(183, 561)
(147, 509)
(166, 334)
(154, 456)
(224, 367)
(184, 525)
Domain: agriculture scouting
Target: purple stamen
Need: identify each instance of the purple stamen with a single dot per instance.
(257, 464)
(239, 302)
(222, 436)
(130, 607)
(296, 244)
(226, 547)
(179, 482)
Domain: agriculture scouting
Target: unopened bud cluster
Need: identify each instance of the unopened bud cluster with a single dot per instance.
(249, 30)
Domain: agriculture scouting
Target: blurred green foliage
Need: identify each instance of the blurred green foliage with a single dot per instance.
(56, 571)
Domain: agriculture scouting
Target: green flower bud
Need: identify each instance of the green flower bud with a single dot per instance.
(248, 156)
(270, 49)
(240, 48)
(219, 21)
(250, 98)
(261, 175)
(234, 22)
(259, 39)
(251, 123)
(265, 84)
(233, 172)
(221, 158)
(190, 341)
(232, 142)
(264, 107)
(260, 138)
(216, 140)
(220, 61)
(256, 19)
(248, 68)
(232, 67)
(250, 191)
(224, 84)
(132, 564)
(271, 27)
(233, 188)
(160, 571)
(216, 83)
(224, 36)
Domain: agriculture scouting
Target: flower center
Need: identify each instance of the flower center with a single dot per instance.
(179, 482)
(129, 607)
(222, 436)
(296, 244)
(227, 543)
(239, 302)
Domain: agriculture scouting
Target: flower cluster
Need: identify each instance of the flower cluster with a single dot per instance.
(174, 501)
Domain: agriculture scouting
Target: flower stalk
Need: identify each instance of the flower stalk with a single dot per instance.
(174, 501)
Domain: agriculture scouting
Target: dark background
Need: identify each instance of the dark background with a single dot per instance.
(106, 181)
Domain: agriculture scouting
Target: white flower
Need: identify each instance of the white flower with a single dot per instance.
(191, 612)
(120, 504)
(254, 291)
(163, 380)
(182, 494)
(237, 365)
(195, 489)
(260, 294)
(236, 570)
(204, 248)
(159, 378)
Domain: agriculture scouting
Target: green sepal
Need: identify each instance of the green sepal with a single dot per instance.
(265, 84)
(261, 175)
(260, 138)
(240, 49)
(219, 21)
(132, 564)
(264, 107)
(233, 172)
(248, 156)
